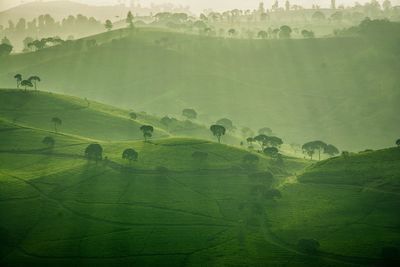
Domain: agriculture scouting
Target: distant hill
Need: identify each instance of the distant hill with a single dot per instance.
(60, 10)
(341, 90)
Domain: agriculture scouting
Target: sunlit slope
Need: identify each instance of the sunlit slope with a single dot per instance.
(375, 170)
(341, 90)
(349, 204)
(80, 117)
(164, 209)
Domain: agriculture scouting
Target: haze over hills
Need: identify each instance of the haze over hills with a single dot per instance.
(303, 89)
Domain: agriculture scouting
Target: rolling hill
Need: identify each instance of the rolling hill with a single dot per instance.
(169, 208)
(330, 89)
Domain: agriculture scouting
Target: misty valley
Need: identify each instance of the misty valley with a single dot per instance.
(159, 135)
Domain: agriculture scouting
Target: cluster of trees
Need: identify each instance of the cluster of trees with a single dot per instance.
(95, 152)
(5, 47)
(46, 25)
(30, 82)
(320, 147)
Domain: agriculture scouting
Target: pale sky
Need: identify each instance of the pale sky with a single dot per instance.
(199, 5)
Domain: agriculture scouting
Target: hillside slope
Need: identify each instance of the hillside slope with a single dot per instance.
(330, 89)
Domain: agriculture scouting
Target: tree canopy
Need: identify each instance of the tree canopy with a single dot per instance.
(94, 152)
(218, 131)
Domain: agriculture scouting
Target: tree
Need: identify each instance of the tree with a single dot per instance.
(285, 32)
(315, 146)
(307, 34)
(274, 141)
(94, 152)
(261, 140)
(227, 123)
(57, 122)
(246, 131)
(331, 150)
(318, 15)
(147, 131)
(35, 79)
(218, 131)
(129, 20)
(26, 83)
(262, 35)
(231, 32)
(18, 78)
(5, 49)
(130, 154)
(189, 113)
(49, 141)
(398, 142)
(271, 151)
(6, 41)
(108, 25)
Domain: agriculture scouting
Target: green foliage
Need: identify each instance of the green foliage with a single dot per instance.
(147, 131)
(94, 152)
(130, 154)
(218, 131)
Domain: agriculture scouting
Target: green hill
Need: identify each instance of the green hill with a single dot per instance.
(169, 208)
(375, 170)
(330, 89)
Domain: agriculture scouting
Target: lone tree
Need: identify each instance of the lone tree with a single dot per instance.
(94, 152)
(147, 131)
(18, 78)
(262, 35)
(218, 131)
(108, 25)
(315, 146)
(398, 142)
(227, 123)
(57, 122)
(5, 49)
(130, 154)
(189, 113)
(129, 20)
(49, 141)
(26, 83)
(35, 79)
(331, 150)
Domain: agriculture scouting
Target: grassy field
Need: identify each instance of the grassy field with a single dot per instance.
(169, 209)
(303, 89)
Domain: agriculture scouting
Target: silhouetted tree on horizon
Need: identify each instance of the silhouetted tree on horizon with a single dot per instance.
(26, 83)
(35, 79)
(18, 78)
(218, 131)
